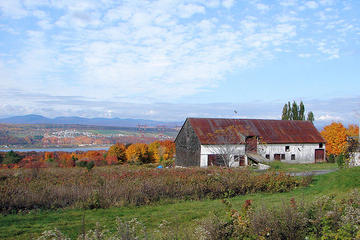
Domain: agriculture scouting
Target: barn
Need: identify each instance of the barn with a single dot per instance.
(237, 142)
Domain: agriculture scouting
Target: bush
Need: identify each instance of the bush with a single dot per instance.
(130, 185)
(11, 157)
(325, 218)
(331, 158)
(340, 160)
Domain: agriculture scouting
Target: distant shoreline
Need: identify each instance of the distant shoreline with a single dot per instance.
(55, 149)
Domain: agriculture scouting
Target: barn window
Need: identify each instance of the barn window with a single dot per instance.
(287, 148)
(320, 145)
(282, 156)
(236, 158)
(292, 156)
(267, 156)
(277, 156)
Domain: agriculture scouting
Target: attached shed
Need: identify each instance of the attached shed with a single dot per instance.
(234, 142)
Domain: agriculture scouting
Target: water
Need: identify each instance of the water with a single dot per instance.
(54, 149)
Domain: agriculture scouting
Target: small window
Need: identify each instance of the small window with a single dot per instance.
(292, 156)
(236, 158)
(320, 145)
(267, 156)
(282, 156)
(287, 148)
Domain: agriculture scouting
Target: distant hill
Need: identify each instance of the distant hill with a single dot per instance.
(115, 122)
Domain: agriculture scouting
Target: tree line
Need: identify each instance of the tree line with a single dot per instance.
(296, 112)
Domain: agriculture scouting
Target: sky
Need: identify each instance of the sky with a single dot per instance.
(170, 59)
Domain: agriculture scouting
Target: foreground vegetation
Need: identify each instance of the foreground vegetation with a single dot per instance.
(324, 218)
(52, 188)
(180, 217)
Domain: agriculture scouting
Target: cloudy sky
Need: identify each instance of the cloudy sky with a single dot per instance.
(169, 59)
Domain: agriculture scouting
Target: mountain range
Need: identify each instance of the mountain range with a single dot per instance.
(115, 122)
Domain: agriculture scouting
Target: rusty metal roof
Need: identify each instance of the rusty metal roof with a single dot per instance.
(219, 131)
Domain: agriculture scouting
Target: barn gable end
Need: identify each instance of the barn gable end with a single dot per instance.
(187, 147)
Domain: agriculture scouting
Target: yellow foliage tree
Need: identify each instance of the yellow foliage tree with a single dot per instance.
(161, 150)
(335, 137)
(138, 153)
(116, 154)
(352, 130)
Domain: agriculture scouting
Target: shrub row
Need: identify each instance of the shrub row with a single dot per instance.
(121, 185)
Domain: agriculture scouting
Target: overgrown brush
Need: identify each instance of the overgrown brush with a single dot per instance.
(325, 218)
(52, 188)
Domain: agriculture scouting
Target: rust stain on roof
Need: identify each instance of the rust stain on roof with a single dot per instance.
(213, 130)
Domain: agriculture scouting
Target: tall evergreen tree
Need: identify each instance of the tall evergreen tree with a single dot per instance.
(295, 111)
(302, 111)
(285, 115)
(289, 113)
(311, 117)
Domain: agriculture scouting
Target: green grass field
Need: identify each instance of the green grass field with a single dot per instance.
(294, 167)
(183, 214)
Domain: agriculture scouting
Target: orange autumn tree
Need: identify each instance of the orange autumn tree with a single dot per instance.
(352, 130)
(138, 153)
(116, 154)
(335, 137)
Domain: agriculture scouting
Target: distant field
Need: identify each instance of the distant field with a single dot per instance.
(182, 215)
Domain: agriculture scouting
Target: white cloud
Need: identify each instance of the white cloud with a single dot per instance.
(304, 55)
(311, 5)
(186, 11)
(228, 3)
(262, 7)
(328, 117)
(13, 9)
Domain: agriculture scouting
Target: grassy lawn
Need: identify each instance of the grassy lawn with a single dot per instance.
(295, 167)
(184, 214)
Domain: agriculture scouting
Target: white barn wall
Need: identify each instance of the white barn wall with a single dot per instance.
(218, 149)
(355, 159)
(304, 153)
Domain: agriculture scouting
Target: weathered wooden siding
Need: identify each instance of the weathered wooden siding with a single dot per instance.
(304, 153)
(187, 147)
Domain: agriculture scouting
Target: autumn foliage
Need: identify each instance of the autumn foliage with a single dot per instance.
(335, 137)
(116, 154)
(137, 153)
(352, 130)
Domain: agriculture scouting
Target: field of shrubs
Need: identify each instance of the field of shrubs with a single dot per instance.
(123, 185)
(324, 218)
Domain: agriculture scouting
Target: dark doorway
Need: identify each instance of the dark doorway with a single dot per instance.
(319, 155)
(277, 157)
(240, 159)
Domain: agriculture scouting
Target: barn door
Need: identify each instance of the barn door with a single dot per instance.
(242, 160)
(319, 155)
(251, 144)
